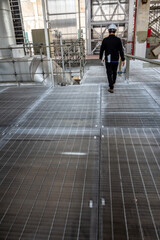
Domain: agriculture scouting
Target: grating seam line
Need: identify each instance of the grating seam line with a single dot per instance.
(83, 191)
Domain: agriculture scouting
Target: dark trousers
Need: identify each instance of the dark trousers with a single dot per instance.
(111, 69)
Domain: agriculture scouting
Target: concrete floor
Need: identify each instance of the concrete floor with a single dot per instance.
(77, 162)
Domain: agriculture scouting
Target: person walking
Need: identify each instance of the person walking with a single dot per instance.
(113, 49)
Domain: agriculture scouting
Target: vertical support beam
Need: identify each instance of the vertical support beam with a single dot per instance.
(130, 26)
(88, 26)
(14, 67)
(50, 67)
(142, 21)
(79, 20)
(62, 55)
(79, 14)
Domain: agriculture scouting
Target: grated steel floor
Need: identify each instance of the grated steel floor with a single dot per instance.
(78, 162)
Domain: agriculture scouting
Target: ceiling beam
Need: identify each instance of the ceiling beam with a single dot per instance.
(154, 1)
(104, 23)
(154, 8)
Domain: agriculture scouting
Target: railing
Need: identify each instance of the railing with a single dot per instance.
(67, 61)
(129, 57)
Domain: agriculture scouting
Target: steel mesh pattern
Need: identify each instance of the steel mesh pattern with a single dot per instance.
(130, 179)
(49, 167)
(80, 163)
(130, 183)
(15, 101)
(130, 108)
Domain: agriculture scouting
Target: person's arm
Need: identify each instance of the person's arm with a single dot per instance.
(101, 50)
(121, 52)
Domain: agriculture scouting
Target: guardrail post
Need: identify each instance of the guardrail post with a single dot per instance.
(127, 67)
(120, 67)
(41, 53)
(49, 59)
(14, 67)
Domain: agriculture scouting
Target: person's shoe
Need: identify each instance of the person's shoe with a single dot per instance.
(110, 90)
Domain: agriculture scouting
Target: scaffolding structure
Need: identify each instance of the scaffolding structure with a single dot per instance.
(72, 52)
(68, 62)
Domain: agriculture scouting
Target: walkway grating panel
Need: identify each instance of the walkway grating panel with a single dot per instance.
(130, 183)
(77, 162)
(49, 170)
(48, 190)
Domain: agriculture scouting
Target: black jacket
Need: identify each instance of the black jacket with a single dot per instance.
(113, 48)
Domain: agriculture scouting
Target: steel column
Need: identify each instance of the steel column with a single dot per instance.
(88, 26)
(130, 26)
(50, 67)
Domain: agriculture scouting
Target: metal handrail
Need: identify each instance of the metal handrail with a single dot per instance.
(129, 57)
(73, 54)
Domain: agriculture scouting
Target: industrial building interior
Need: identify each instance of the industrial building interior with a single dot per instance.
(77, 162)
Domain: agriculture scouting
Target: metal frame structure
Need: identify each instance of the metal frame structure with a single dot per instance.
(154, 18)
(67, 65)
(66, 60)
(101, 13)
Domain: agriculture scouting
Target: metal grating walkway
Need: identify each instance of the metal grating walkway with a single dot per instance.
(78, 162)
